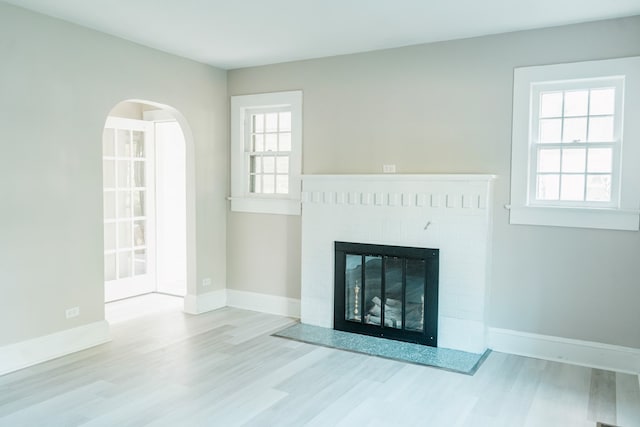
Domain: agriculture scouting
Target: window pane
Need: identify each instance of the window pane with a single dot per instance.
(269, 164)
(258, 143)
(550, 130)
(575, 130)
(271, 142)
(572, 188)
(258, 123)
(285, 122)
(124, 264)
(255, 184)
(125, 238)
(109, 204)
(138, 174)
(138, 233)
(575, 103)
(110, 237)
(271, 122)
(282, 164)
(110, 267)
(268, 184)
(600, 160)
(549, 160)
(138, 143)
(123, 143)
(573, 160)
(282, 184)
(124, 204)
(601, 129)
(599, 188)
(108, 141)
(138, 203)
(548, 187)
(285, 141)
(602, 101)
(255, 164)
(140, 262)
(109, 173)
(551, 104)
(124, 173)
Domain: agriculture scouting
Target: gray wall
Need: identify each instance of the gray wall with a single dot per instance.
(58, 83)
(446, 108)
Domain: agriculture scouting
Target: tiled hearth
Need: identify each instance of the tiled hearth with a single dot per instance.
(447, 212)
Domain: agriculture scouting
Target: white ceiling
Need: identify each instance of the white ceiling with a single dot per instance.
(240, 33)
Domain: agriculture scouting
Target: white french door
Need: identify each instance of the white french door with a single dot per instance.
(129, 225)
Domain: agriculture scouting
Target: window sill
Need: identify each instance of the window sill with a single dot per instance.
(608, 219)
(265, 206)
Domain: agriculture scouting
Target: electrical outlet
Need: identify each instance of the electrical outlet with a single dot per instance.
(206, 282)
(389, 168)
(72, 312)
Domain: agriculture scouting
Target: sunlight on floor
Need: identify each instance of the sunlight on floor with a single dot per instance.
(143, 305)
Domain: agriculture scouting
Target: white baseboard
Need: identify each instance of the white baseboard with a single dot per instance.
(197, 304)
(37, 350)
(577, 352)
(264, 303)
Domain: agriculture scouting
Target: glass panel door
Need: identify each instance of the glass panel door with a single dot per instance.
(414, 294)
(128, 208)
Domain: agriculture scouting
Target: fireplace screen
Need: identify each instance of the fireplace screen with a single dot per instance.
(387, 291)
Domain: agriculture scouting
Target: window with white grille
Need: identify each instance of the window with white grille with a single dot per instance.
(269, 151)
(266, 152)
(576, 145)
(576, 133)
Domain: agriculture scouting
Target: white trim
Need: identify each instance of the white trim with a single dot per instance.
(198, 304)
(264, 303)
(566, 350)
(41, 349)
(608, 219)
(268, 206)
(158, 116)
(241, 199)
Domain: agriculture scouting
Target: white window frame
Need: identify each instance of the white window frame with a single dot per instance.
(242, 200)
(623, 212)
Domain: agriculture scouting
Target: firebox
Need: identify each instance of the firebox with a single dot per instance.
(387, 291)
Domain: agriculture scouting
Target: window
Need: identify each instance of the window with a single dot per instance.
(266, 145)
(575, 145)
(575, 142)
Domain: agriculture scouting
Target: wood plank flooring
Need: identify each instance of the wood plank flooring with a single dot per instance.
(223, 368)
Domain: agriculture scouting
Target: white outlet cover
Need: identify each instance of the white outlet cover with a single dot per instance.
(389, 168)
(206, 282)
(72, 312)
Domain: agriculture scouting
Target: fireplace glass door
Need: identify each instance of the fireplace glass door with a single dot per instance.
(387, 291)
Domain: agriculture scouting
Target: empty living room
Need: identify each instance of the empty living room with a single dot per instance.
(304, 213)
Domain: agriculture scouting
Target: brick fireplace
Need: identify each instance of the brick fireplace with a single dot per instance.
(448, 212)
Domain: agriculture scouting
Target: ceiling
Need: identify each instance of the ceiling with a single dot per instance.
(241, 33)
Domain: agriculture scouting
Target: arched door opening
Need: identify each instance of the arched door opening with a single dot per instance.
(146, 214)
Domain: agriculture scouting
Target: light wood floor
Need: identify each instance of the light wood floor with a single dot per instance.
(224, 369)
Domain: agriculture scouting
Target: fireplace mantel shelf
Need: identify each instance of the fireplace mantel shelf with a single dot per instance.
(402, 177)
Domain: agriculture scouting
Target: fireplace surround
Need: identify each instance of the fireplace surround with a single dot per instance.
(387, 291)
(451, 212)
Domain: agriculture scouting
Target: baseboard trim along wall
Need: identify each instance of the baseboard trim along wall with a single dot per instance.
(197, 304)
(577, 352)
(264, 303)
(37, 350)
(270, 304)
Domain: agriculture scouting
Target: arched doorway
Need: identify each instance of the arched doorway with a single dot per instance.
(148, 209)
